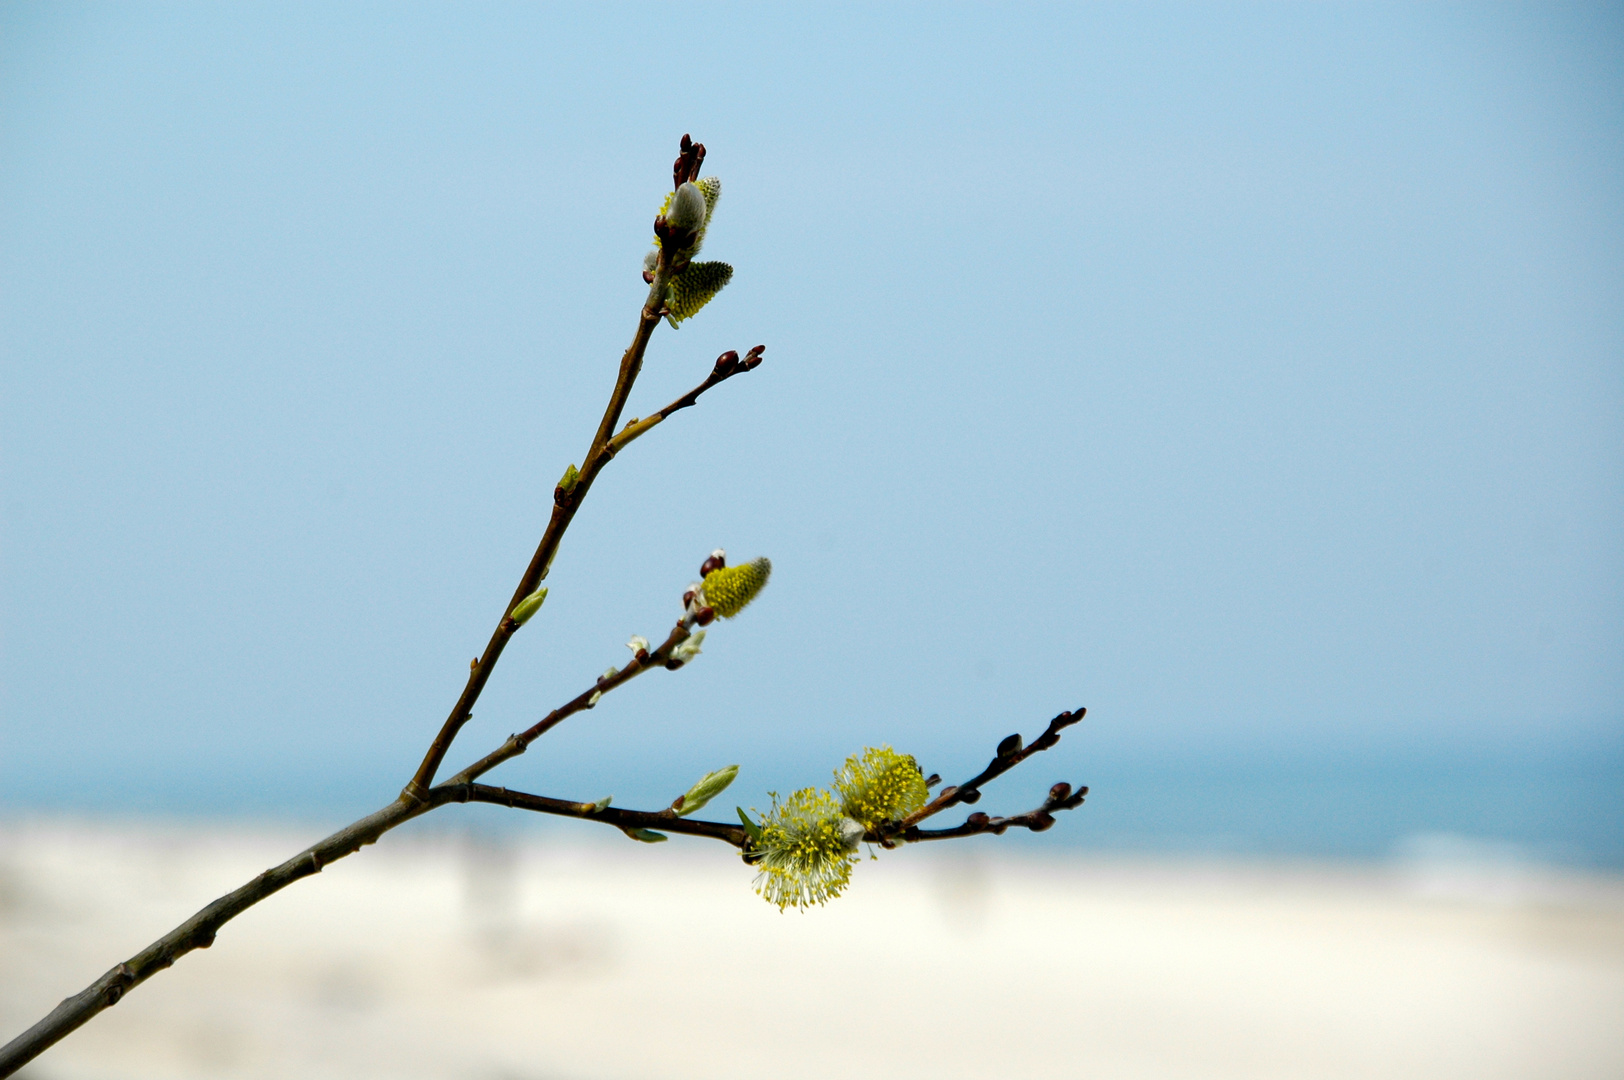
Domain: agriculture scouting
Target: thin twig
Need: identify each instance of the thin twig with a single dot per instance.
(1060, 797)
(518, 744)
(728, 365)
(663, 821)
(1010, 753)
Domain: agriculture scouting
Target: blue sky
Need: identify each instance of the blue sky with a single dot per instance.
(1249, 375)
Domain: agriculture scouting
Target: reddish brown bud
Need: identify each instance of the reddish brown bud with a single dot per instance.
(977, 820)
(1041, 820)
(753, 357)
(687, 598)
(705, 616)
(1059, 791)
(725, 362)
(969, 795)
(711, 565)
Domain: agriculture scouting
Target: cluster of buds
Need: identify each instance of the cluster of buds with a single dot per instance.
(679, 231)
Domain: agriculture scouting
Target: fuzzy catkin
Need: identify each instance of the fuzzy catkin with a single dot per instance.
(729, 589)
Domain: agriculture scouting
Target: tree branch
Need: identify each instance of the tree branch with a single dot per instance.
(197, 933)
(664, 820)
(565, 503)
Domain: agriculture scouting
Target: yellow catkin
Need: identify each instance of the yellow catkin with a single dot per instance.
(806, 851)
(729, 589)
(880, 786)
(694, 287)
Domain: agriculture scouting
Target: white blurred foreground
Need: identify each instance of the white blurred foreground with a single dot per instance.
(482, 957)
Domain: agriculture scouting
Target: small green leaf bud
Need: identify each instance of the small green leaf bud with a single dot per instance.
(729, 589)
(528, 606)
(647, 836)
(709, 786)
(567, 483)
(600, 806)
(689, 649)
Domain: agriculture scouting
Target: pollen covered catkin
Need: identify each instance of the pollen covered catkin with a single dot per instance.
(881, 786)
(729, 589)
(807, 848)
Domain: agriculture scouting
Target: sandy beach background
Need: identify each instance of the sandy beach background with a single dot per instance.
(531, 957)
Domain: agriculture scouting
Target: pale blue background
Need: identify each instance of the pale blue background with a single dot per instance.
(1250, 375)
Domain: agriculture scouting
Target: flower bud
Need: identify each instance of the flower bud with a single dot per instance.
(716, 561)
(687, 209)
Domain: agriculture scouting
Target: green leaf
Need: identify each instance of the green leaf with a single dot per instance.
(750, 827)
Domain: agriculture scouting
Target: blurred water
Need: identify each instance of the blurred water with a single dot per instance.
(1561, 810)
